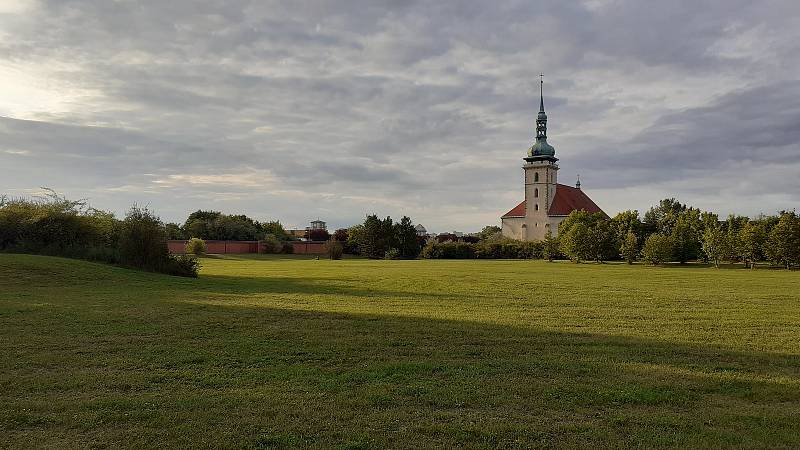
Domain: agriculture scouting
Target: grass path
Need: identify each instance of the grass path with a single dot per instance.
(270, 352)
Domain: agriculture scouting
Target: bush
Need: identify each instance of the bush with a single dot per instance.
(392, 253)
(333, 249)
(196, 246)
(182, 266)
(270, 244)
(658, 248)
(143, 241)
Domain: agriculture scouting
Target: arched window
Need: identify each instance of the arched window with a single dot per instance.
(536, 177)
(537, 207)
(536, 193)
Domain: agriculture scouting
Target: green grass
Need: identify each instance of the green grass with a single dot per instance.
(271, 352)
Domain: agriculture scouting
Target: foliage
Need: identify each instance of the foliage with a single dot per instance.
(392, 253)
(715, 244)
(629, 247)
(405, 238)
(276, 229)
(318, 235)
(214, 225)
(174, 231)
(196, 246)
(143, 241)
(783, 244)
(575, 243)
(489, 232)
(658, 248)
(270, 245)
(375, 237)
(341, 235)
(685, 240)
(751, 240)
(549, 246)
(354, 237)
(333, 249)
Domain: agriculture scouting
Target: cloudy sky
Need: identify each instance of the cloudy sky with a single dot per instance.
(294, 110)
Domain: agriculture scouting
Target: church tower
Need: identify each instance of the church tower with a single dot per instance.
(541, 177)
(546, 203)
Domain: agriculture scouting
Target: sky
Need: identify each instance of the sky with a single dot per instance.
(298, 110)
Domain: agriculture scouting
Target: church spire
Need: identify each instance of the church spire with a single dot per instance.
(541, 93)
(541, 119)
(541, 150)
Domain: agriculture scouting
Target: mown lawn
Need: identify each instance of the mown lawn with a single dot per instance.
(404, 354)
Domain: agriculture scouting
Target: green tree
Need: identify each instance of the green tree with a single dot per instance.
(686, 243)
(715, 243)
(276, 229)
(602, 238)
(657, 248)
(489, 232)
(629, 247)
(751, 241)
(550, 246)
(783, 244)
(373, 241)
(575, 243)
(406, 238)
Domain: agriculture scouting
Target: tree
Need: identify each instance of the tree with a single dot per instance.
(143, 240)
(489, 232)
(783, 244)
(550, 246)
(274, 228)
(174, 231)
(751, 241)
(318, 235)
(340, 235)
(629, 247)
(715, 244)
(625, 222)
(661, 218)
(657, 248)
(602, 238)
(333, 249)
(373, 241)
(196, 246)
(733, 225)
(575, 243)
(406, 239)
(685, 241)
(270, 244)
(354, 236)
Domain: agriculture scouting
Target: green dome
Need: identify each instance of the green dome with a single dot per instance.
(541, 148)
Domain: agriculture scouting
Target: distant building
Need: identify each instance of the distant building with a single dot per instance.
(421, 231)
(303, 233)
(546, 203)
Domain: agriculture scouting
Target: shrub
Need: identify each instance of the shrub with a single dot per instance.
(392, 253)
(196, 246)
(182, 266)
(333, 249)
(657, 249)
(270, 244)
(143, 241)
(318, 235)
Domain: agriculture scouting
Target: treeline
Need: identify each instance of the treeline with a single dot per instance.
(214, 225)
(669, 232)
(381, 239)
(53, 225)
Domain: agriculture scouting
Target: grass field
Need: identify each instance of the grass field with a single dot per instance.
(407, 354)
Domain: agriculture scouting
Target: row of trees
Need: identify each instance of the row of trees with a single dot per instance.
(53, 225)
(214, 225)
(673, 231)
(381, 238)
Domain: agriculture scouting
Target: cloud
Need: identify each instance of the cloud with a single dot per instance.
(304, 109)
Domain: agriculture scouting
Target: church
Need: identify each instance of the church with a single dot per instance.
(547, 203)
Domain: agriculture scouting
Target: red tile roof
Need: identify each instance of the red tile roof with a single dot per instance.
(570, 199)
(518, 211)
(567, 199)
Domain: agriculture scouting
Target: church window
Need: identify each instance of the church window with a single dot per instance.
(536, 192)
(536, 177)
(537, 207)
